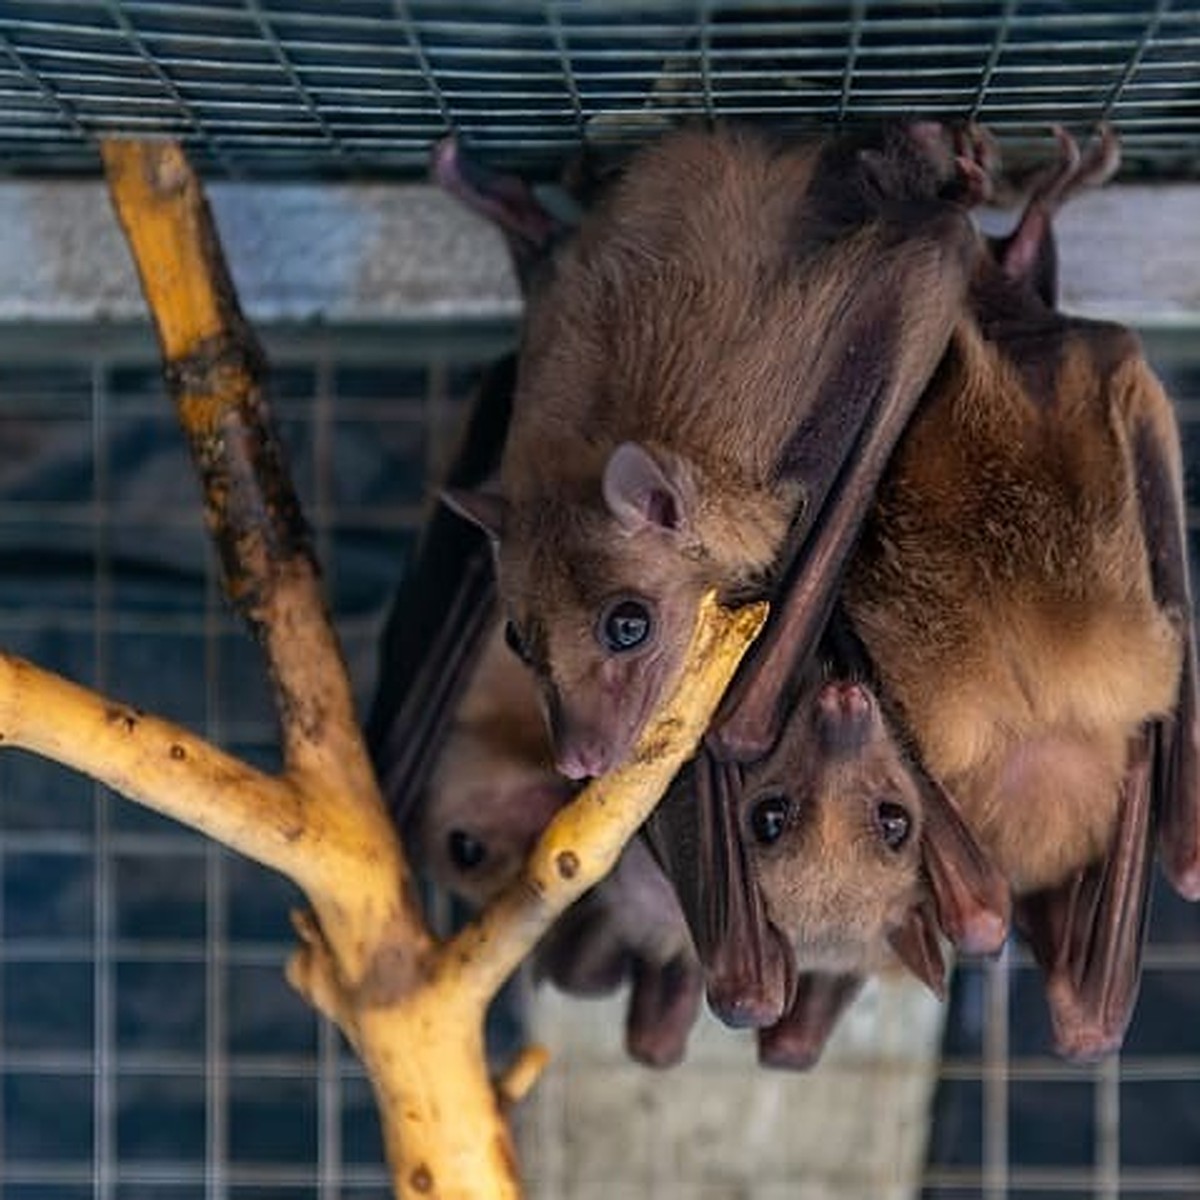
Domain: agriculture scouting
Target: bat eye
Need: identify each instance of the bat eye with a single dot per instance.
(768, 819)
(466, 850)
(893, 823)
(625, 626)
(512, 639)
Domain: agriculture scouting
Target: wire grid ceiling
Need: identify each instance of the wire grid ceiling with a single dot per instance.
(270, 88)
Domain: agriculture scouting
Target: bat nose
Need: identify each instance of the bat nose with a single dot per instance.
(582, 759)
(843, 716)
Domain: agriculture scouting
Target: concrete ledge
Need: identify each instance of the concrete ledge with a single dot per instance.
(408, 253)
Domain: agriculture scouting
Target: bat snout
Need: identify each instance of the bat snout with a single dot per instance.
(580, 750)
(582, 759)
(843, 716)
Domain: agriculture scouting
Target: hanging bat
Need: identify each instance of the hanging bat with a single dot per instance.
(462, 752)
(1021, 587)
(491, 793)
(835, 844)
(1063, 713)
(736, 333)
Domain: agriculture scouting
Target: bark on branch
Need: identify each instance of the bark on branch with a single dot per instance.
(414, 1009)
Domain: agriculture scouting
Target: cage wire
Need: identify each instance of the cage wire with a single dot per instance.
(148, 1044)
(262, 88)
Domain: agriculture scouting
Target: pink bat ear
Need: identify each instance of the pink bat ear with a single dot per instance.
(485, 509)
(916, 946)
(640, 491)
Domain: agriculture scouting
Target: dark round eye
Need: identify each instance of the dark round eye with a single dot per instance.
(512, 639)
(626, 626)
(466, 850)
(768, 819)
(893, 822)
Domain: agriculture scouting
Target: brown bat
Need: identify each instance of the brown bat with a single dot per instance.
(491, 793)
(1021, 587)
(1062, 643)
(737, 332)
(837, 843)
(462, 752)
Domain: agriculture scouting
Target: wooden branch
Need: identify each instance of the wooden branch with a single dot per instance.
(413, 1010)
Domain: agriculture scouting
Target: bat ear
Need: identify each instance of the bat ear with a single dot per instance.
(916, 946)
(640, 491)
(486, 509)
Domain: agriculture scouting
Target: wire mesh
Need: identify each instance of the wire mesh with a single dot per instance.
(301, 87)
(148, 1044)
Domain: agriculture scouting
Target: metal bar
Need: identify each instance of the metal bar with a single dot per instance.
(156, 68)
(285, 64)
(997, 48)
(858, 13)
(39, 84)
(559, 35)
(1135, 58)
(418, 50)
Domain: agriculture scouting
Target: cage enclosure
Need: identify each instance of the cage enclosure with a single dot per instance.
(149, 1045)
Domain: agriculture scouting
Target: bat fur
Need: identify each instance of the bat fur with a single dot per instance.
(675, 419)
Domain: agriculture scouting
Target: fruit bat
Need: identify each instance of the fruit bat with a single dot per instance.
(463, 758)
(835, 853)
(1021, 589)
(734, 335)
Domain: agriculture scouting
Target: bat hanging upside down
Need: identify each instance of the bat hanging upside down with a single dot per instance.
(1021, 588)
(739, 324)
(713, 375)
(464, 759)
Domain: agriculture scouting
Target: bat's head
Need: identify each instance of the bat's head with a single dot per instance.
(833, 821)
(601, 596)
(493, 789)
(483, 812)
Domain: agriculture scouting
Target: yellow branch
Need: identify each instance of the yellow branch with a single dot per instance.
(413, 1011)
(582, 843)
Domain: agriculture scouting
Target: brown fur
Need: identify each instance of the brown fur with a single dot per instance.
(1003, 590)
(830, 881)
(699, 313)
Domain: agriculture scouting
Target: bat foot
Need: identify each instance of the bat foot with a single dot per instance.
(505, 200)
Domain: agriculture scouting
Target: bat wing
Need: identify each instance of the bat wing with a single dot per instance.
(970, 893)
(1088, 934)
(663, 1004)
(696, 836)
(882, 352)
(797, 1040)
(1176, 776)
(439, 617)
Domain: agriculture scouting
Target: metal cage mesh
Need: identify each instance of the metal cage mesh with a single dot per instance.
(303, 87)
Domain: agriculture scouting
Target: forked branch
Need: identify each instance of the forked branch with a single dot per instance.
(413, 1008)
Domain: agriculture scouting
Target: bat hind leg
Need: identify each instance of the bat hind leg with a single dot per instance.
(505, 200)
